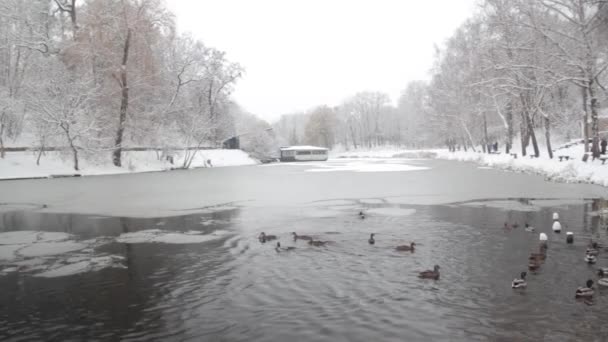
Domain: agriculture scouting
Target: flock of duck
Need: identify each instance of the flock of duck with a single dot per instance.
(427, 274)
(537, 258)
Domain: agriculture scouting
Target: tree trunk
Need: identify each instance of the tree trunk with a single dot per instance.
(548, 136)
(2, 153)
(523, 135)
(510, 131)
(124, 103)
(75, 155)
(486, 141)
(532, 136)
(39, 155)
(595, 129)
(585, 120)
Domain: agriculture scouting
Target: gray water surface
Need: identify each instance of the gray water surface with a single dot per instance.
(235, 288)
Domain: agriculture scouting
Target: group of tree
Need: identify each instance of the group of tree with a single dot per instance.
(95, 76)
(516, 69)
(519, 68)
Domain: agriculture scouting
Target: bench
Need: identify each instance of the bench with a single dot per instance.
(563, 157)
(603, 159)
(514, 155)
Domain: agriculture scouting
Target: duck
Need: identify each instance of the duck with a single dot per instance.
(406, 248)
(529, 229)
(533, 263)
(278, 248)
(539, 256)
(569, 237)
(590, 259)
(263, 237)
(361, 215)
(602, 271)
(430, 274)
(371, 240)
(520, 282)
(557, 227)
(591, 251)
(585, 292)
(301, 237)
(317, 243)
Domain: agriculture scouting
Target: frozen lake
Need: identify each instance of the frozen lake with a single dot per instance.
(175, 255)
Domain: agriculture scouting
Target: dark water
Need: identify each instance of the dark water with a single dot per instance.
(237, 289)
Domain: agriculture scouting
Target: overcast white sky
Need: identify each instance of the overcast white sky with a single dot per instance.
(300, 54)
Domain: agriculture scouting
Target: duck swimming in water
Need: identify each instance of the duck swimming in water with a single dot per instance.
(529, 229)
(278, 248)
(585, 292)
(361, 215)
(534, 262)
(263, 237)
(430, 274)
(406, 248)
(317, 243)
(371, 240)
(520, 282)
(301, 237)
(592, 251)
(602, 271)
(590, 259)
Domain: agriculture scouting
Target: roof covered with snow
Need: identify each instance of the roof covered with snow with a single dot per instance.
(303, 148)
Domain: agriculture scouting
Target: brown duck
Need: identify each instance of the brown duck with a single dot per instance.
(406, 248)
(430, 274)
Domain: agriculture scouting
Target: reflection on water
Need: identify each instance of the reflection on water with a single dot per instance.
(234, 288)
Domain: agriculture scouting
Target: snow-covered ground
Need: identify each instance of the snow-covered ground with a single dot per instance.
(570, 171)
(23, 164)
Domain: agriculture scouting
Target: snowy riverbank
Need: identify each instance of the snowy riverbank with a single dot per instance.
(571, 171)
(23, 164)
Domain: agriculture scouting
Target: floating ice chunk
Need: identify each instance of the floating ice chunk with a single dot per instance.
(9, 270)
(50, 248)
(7, 252)
(87, 265)
(27, 236)
(161, 236)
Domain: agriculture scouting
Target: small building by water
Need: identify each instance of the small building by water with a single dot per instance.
(303, 153)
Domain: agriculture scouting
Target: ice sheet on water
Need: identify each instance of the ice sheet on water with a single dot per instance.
(391, 211)
(358, 166)
(550, 203)
(372, 201)
(163, 236)
(505, 205)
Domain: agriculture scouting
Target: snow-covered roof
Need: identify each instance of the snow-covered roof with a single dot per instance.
(303, 148)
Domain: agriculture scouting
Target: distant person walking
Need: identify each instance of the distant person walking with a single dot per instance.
(603, 145)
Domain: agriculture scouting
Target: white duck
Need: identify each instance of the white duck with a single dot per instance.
(519, 283)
